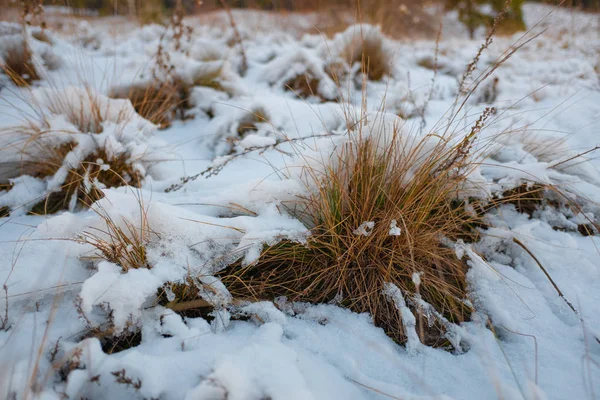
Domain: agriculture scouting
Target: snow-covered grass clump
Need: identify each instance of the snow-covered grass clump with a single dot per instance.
(382, 211)
(26, 53)
(70, 145)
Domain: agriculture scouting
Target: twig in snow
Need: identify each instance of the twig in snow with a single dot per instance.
(374, 390)
(215, 169)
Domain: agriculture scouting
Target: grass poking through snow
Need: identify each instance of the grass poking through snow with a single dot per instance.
(381, 216)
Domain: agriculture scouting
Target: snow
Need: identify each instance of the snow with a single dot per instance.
(547, 101)
(251, 141)
(365, 229)
(394, 230)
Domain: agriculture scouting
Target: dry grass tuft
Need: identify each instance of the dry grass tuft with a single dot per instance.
(365, 45)
(380, 217)
(159, 103)
(17, 63)
(121, 242)
(209, 76)
(83, 107)
(251, 121)
(82, 185)
(75, 173)
(527, 198)
(304, 86)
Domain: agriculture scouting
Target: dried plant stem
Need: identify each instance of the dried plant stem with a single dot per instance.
(560, 293)
(188, 305)
(4, 320)
(435, 74)
(575, 156)
(238, 36)
(214, 170)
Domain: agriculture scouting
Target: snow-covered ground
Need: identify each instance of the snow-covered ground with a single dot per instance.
(547, 100)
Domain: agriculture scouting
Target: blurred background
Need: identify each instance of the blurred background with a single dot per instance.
(396, 17)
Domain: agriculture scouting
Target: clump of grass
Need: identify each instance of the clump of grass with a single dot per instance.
(83, 107)
(365, 45)
(167, 95)
(527, 198)
(304, 85)
(209, 75)
(381, 216)
(111, 339)
(83, 183)
(121, 242)
(16, 61)
(73, 164)
(158, 102)
(250, 122)
(301, 73)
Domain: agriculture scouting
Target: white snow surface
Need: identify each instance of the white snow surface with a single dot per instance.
(547, 96)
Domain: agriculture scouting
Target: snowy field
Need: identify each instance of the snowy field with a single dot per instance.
(523, 341)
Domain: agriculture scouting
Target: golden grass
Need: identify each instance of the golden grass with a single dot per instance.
(163, 100)
(120, 242)
(158, 103)
(81, 186)
(369, 181)
(83, 108)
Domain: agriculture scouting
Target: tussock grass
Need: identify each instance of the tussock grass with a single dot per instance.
(365, 45)
(121, 242)
(380, 216)
(304, 86)
(167, 95)
(83, 107)
(158, 102)
(83, 183)
(75, 165)
(250, 122)
(16, 61)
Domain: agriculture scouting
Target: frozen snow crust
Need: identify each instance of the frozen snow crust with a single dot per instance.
(547, 95)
